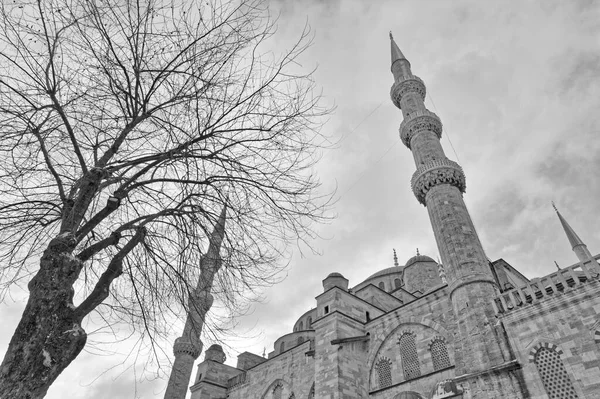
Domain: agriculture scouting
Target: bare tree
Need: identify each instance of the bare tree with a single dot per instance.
(125, 127)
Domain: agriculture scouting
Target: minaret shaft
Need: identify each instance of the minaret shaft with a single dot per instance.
(439, 184)
(188, 346)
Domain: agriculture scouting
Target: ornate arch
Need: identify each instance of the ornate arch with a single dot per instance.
(381, 341)
(278, 384)
(439, 353)
(555, 377)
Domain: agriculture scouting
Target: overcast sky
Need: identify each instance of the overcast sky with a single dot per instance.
(517, 86)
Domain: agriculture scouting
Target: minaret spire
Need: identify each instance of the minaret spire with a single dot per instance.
(439, 184)
(580, 249)
(400, 65)
(188, 347)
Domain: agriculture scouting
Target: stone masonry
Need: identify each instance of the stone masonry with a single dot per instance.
(467, 328)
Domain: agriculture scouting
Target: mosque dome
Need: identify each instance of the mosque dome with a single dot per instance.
(385, 272)
(418, 258)
(335, 274)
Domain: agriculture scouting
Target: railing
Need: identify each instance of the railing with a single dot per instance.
(553, 284)
(237, 380)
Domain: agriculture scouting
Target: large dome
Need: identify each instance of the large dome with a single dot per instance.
(389, 270)
(419, 258)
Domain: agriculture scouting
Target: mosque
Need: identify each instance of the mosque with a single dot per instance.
(467, 327)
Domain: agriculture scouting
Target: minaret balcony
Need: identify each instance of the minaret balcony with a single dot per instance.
(419, 121)
(183, 347)
(436, 172)
(407, 84)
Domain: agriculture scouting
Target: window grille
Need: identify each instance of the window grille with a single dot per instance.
(384, 371)
(408, 352)
(277, 392)
(554, 375)
(439, 354)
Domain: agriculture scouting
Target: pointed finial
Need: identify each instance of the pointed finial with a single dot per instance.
(418, 252)
(557, 266)
(396, 53)
(554, 206)
(395, 258)
(580, 249)
(264, 351)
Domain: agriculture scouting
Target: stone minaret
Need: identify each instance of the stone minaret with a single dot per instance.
(580, 249)
(439, 184)
(188, 347)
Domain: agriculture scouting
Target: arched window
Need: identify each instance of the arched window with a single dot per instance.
(439, 354)
(277, 391)
(382, 285)
(308, 323)
(282, 347)
(300, 326)
(408, 352)
(397, 283)
(384, 372)
(552, 371)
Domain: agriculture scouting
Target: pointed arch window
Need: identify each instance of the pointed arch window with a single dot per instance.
(300, 326)
(408, 353)
(382, 285)
(277, 391)
(384, 372)
(396, 283)
(552, 371)
(309, 323)
(439, 354)
(282, 347)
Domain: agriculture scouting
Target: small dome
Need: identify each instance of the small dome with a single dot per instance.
(335, 274)
(215, 347)
(419, 258)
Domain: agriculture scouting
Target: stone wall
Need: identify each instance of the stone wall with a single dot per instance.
(428, 317)
(294, 369)
(567, 321)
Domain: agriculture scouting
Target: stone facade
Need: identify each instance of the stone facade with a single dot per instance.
(471, 328)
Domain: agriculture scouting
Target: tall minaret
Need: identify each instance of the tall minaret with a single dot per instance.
(580, 249)
(439, 184)
(188, 347)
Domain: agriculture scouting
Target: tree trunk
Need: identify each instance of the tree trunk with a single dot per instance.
(49, 336)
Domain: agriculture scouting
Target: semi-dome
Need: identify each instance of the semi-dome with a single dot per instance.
(418, 258)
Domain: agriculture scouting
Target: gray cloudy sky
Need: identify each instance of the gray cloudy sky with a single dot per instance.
(517, 86)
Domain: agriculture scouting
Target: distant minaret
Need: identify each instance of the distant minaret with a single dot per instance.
(580, 249)
(439, 184)
(188, 347)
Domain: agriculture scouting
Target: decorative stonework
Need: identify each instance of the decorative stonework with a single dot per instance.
(407, 84)
(384, 372)
(441, 171)
(418, 122)
(182, 347)
(556, 380)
